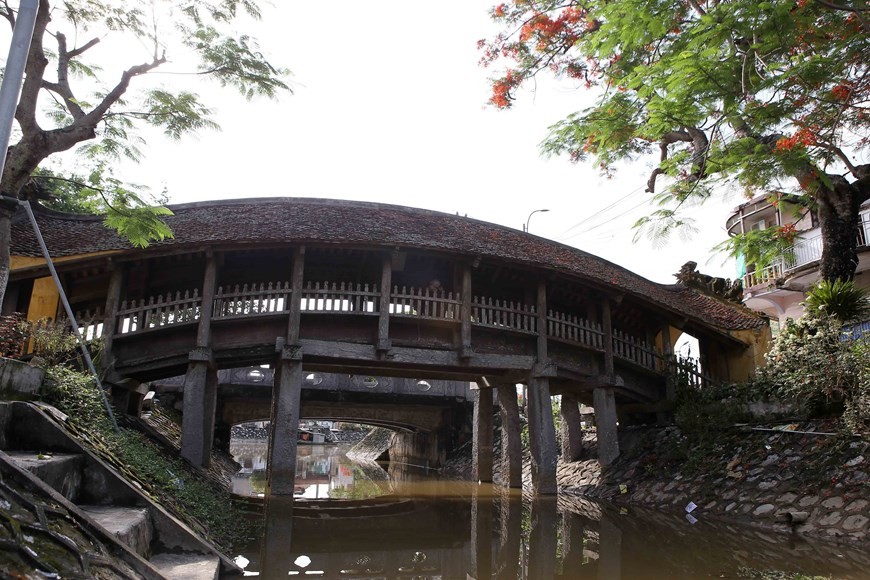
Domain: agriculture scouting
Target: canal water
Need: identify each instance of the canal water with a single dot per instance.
(360, 521)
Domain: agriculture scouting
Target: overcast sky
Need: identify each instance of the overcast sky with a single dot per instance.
(390, 106)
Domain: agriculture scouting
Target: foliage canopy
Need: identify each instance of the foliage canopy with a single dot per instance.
(769, 96)
(69, 101)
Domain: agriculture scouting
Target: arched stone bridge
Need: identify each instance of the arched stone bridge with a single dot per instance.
(379, 290)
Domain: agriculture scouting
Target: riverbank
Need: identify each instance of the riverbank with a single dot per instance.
(798, 477)
(803, 477)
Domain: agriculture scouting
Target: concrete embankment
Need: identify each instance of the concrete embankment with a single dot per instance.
(797, 478)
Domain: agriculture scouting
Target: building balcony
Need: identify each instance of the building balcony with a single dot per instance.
(806, 253)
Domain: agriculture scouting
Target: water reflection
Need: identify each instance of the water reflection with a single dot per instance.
(424, 528)
(322, 471)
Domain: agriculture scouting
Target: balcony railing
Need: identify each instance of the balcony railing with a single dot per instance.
(806, 251)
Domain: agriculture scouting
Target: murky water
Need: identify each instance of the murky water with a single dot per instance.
(357, 521)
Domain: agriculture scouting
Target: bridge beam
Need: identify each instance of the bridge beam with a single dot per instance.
(511, 445)
(542, 437)
(572, 431)
(481, 450)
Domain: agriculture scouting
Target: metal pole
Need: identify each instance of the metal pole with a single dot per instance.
(526, 226)
(13, 75)
(69, 313)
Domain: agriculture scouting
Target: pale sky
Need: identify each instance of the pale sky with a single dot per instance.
(390, 106)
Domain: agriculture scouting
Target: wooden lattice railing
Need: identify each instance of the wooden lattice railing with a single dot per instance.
(572, 328)
(239, 301)
(504, 314)
(165, 310)
(340, 298)
(425, 303)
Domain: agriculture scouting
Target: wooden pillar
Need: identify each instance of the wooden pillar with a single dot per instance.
(511, 444)
(384, 312)
(286, 394)
(572, 431)
(110, 319)
(542, 430)
(481, 453)
(607, 327)
(200, 381)
(465, 350)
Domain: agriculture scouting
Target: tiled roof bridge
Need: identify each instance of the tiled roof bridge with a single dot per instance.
(348, 223)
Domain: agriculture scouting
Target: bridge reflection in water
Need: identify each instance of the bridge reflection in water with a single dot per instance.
(426, 528)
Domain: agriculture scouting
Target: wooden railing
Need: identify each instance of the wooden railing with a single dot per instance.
(503, 314)
(340, 298)
(140, 315)
(425, 303)
(637, 351)
(240, 301)
(90, 323)
(571, 328)
(688, 370)
(236, 301)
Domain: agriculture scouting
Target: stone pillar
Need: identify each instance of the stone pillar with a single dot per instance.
(200, 381)
(275, 554)
(511, 445)
(481, 437)
(609, 549)
(510, 505)
(198, 411)
(542, 437)
(605, 424)
(572, 432)
(572, 543)
(286, 392)
(481, 533)
(542, 539)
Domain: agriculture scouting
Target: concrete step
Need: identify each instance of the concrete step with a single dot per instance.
(132, 526)
(62, 471)
(187, 566)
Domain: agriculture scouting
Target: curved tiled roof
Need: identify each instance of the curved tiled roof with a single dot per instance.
(323, 221)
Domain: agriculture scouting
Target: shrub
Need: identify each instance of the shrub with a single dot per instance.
(812, 366)
(840, 299)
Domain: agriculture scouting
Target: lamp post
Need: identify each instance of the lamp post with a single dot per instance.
(528, 219)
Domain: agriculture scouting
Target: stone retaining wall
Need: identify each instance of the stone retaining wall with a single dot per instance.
(761, 477)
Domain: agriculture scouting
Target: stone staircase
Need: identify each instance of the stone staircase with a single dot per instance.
(32, 440)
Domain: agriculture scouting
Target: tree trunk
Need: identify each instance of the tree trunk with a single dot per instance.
(838, 217)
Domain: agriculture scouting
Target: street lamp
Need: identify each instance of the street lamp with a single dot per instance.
(526, 226)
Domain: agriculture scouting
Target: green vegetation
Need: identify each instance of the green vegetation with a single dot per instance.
(183, 490)
(840, 299)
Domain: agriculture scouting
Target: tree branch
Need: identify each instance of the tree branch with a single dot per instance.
(700, 144)
(62, 87)
(34, 72)
(697, 7)
(77, 51)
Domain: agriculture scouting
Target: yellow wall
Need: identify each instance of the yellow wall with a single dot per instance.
(43, 300)
(742, 366)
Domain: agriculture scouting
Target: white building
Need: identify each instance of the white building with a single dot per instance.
(779, 289)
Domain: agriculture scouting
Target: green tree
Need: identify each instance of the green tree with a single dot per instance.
(69, 102)
(769, 96)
